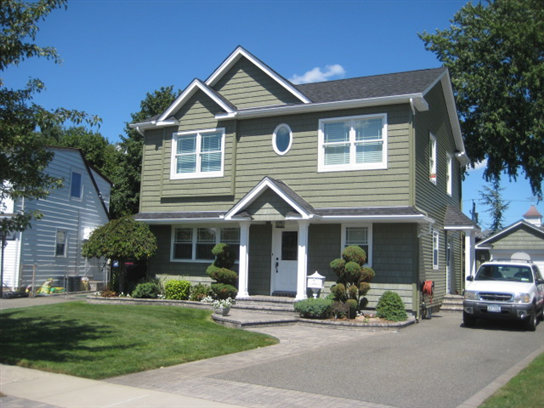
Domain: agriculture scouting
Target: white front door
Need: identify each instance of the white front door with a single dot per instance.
(284, 260)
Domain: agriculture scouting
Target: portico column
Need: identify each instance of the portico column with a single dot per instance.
(302, 260)
(243, 264)
(470, 253)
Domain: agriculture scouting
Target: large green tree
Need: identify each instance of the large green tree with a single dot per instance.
(23, 157)
(128, 186)
(494, 50)
(492, 198)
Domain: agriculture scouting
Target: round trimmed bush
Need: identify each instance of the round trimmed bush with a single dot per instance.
(354, 253)
(367, 274)
(314, 308)
(199, 292)
(391, 307)
(177, 289)
(147, 290)
(222, 291)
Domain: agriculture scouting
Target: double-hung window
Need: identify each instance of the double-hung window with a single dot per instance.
(353, 143)
(198, 154)
(432, 158)
(196, 243)
(436, 246)
(61, 243)
(360, 235)
(76, 185)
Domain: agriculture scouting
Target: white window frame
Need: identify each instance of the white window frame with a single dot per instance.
(432, 158)
(369, 239)
(274, 135)
(65, 243)
(198, 173)
(76, 197)
(436, 249)
(449, 174)
(352, 165)
(194, 243)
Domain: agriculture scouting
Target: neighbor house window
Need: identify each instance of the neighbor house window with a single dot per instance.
(196, 243)
(432, 158)
(360, 235)
(76, 186)
(449, 172)
(61, 242)
(353, 143)
(198, 154)
(435, 249)
(282, 139)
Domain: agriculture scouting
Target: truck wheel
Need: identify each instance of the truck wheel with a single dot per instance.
(541, 315)
(531, 323)
(468, 320)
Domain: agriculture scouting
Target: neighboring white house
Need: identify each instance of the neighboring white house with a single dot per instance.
(523, 240)
(51, 248)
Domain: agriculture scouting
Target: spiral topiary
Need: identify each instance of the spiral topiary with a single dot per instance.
(220, 272)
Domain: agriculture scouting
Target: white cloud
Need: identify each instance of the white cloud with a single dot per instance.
(477, 166)
(318, 74)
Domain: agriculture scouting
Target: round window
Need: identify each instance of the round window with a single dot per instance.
(282, 139)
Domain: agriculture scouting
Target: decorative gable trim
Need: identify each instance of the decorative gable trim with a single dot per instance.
(240, 52)
(196, 85)
(268, 183)
(507, 231)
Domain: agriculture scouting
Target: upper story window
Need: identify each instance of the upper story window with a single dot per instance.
(353, 143)
(198, 154)
(432, 158)
(61, 242)
(282, 139)
(449, 172)
(76, 185)
(360, 235)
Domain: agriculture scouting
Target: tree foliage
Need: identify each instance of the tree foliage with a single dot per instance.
(491, 197)
(23, 157)
(126, 197)
(495, 53)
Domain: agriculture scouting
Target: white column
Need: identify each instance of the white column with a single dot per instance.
(302, 260)
(243, 262)
(470, 253)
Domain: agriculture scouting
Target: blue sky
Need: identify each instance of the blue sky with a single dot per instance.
(115, 51)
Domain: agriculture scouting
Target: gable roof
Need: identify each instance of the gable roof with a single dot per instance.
(508, 230)
(456, 220)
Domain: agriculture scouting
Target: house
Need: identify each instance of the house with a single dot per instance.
(289, 175)
(51, 247)
(523, 240)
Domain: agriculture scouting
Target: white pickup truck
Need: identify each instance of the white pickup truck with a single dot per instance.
(508, 290)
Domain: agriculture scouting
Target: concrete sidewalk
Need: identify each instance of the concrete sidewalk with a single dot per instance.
(26, 388)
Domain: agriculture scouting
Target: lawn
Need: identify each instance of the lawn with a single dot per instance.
(524, 390)
(101, 341)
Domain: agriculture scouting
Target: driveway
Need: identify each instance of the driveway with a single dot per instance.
(436, 363)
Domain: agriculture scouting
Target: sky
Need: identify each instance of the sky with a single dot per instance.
(116, 51)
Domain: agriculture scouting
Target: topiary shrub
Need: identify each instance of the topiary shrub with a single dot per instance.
(146, 290)
(352, 307)
(199, 292)
(391, 307)
(221, 273)
(340, 309)
(314, 308)
(177, 289)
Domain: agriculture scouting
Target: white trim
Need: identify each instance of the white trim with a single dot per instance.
(352, 165)
(241, 52)
(274, 135)
(256, 192)
(433, 158)
(193, 87)
(449, 174)
(65, 252)
(198, 152)
(370, 245)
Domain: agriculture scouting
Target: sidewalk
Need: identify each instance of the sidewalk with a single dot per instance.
(28, 388)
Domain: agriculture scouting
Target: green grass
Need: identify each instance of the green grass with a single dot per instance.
(101, 341)
(523, 391)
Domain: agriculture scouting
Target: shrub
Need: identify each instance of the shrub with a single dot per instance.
(391, 307)
(340, 309)
(352, 305)
(199, 292)
(146, 290)
(108, 293)
(314, 308)
(222, 275)
(222, 291)
(177, 289)
(339, 292)
(355, 254)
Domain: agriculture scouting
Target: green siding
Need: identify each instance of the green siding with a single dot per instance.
(269, 207)
(246, 86)
(522, 239)
(323, 247)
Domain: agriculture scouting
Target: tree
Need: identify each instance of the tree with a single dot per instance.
(491, 196)
(24, 157)
(128, 187)
(121, 240)
(495, 53)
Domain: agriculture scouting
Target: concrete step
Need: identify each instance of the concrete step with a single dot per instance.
(452, 303)
(266, 304)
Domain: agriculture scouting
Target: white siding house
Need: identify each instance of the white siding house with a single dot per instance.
(51, 248)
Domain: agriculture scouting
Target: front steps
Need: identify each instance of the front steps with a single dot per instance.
(266, 304)
(452, 303)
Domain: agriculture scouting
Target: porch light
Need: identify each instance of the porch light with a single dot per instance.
(315, 282)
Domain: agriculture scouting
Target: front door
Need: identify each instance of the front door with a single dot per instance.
(284, 260)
